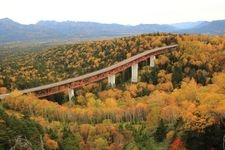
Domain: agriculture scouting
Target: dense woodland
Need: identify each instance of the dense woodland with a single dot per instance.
(179, 104)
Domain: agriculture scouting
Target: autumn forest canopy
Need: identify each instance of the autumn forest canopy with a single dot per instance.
(178, 104)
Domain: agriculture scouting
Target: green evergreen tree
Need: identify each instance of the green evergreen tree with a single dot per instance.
(160, 133)
(69, 141)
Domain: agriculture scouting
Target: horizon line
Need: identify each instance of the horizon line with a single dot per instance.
(76, 21)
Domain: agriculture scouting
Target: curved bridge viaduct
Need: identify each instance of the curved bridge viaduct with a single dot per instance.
(108, 72)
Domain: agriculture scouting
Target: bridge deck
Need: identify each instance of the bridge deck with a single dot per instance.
(95, 72)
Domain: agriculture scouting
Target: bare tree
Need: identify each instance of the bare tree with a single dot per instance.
(22, 144)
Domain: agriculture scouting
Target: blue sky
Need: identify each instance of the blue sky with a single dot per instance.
(130, 12)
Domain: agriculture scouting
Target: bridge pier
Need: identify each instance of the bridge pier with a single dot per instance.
(134, 73)
(152, 59)
(112, 80)
(71, 94)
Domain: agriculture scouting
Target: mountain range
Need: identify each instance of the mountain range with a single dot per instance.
(43, 31)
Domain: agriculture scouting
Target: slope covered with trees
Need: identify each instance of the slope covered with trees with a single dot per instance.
(179, 104)
(72, 60)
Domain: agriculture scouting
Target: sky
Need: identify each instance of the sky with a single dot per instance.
(128, 12)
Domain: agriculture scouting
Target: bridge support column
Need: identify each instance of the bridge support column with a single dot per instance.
(152, 59)
(134, 73)
(71, 94)
(112, 80)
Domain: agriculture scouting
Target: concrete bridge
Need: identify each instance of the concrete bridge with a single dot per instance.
(109, 72)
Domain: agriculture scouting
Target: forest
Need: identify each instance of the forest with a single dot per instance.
(177, 105)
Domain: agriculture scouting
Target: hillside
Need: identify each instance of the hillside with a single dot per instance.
(13, 32)
(50, 65)
(178, 104)
(189, 25)
(212, 28)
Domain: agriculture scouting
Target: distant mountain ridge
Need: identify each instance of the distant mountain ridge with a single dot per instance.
(189, 25)
(11, 31)
(211, 28)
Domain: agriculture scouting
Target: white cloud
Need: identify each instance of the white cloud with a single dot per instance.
(113, 11)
